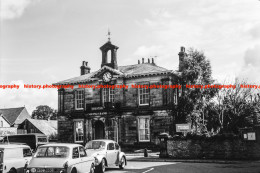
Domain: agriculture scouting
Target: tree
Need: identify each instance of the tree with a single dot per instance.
(44, 112)
(196, 70)
(236, 107)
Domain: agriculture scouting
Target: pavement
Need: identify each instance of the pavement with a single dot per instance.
(154, 157)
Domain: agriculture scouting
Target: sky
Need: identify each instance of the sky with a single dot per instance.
(45, 41)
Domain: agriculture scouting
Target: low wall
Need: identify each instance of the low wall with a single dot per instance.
(206, 149)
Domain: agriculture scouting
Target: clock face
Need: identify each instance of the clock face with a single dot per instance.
(107, 77)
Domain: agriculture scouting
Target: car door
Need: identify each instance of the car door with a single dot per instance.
(13, 158)
(27, 156)
(76, 160)
(85, 160)
(117, 148)
(111, 153)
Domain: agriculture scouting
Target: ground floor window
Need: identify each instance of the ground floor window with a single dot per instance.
(78, 131)
(144, 129)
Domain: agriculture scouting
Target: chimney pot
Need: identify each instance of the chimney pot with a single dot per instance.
(152, 61)
(149, 60)
(142, 60)
(83, 63)
(138, 61)
(182, 49)
(86, 63)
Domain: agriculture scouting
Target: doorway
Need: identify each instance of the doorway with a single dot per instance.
(99, 130)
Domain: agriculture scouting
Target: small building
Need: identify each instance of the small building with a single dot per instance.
(131, 112)
(46, 127)
(12, 117)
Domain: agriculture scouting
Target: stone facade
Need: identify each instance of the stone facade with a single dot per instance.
(132, 116)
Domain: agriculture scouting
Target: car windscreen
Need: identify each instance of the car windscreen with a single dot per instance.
(95, 145)
(53, 151)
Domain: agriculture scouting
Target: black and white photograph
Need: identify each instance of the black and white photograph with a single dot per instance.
(129, 86)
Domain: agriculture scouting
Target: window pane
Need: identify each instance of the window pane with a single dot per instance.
(112, 95)
(143, 96)
(111, 146)
(108, 95)
(117, 146)
(75, 153)
(78, 131)
(82, 152)
(142, 125)
(79, 99)
(27, 152)
(144, 129)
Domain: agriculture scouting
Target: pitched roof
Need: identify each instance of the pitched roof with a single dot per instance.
(11, 114)
(128, 71)
(142, 69)
(47, 127)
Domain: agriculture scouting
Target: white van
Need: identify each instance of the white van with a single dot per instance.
(13, 157)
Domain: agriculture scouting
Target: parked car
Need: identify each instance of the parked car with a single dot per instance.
(107, 153)
(61, 158)
(33, 139)
(13, 157)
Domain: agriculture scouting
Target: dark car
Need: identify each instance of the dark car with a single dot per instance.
(33, 140)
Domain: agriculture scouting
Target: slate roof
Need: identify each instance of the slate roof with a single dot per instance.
(11, 114)
(141, 69)
(128, 71)
(47, 127)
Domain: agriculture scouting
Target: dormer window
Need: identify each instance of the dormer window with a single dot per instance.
(79, 99)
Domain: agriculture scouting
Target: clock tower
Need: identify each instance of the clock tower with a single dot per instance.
(107, 48)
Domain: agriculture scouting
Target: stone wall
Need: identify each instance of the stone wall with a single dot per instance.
(65, 130)
(209, 149)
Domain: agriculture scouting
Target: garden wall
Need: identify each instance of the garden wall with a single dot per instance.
(213, 149)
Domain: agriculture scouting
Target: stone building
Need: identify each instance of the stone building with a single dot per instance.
(131, 115)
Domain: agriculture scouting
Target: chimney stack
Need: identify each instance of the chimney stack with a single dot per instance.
(152, 61)
(138, 61)
(182, 54)
(142, 60)
(84, 69)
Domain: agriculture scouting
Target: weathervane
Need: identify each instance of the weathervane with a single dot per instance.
(108, 34)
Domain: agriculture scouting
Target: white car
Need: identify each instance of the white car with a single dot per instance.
(107, 153)
(61, 158)
(13, 157)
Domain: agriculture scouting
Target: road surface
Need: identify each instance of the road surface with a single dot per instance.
(177, 167)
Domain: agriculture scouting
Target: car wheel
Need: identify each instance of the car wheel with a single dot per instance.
(74, 170)
(122, 163)
(101, 167)
(12, 171)
(92, 169)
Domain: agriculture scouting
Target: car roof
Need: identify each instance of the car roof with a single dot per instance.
(3, 146)
(105, 140)
(29, 134)
(70, 145)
